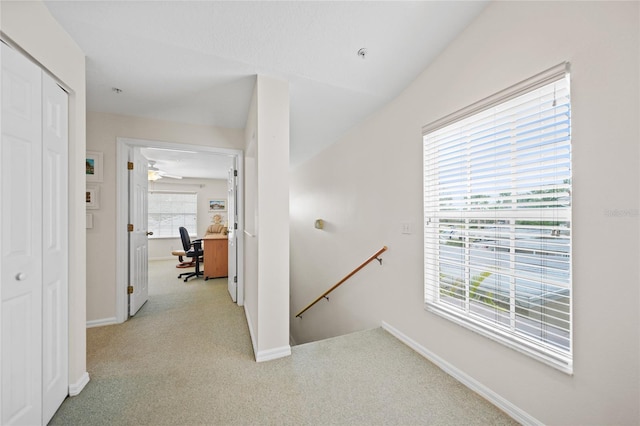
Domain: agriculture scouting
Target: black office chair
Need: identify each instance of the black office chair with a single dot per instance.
(191, 249)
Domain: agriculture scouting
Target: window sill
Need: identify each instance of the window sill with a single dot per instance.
(557, 361)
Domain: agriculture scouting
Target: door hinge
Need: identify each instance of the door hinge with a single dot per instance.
(130, 227)
(235, 173)
(130, 289)
(235, 279)
(235, 226)
(129, 165)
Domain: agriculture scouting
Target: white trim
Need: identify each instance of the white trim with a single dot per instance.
(508, 407)
(269, 354)
(254, 343)
(516, 343)
(122, 250)
(123, 146)
(554, 73)
(101, 322)
(272, 354)
(77, 387)
(239, 163)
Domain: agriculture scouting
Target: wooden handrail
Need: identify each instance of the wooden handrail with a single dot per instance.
(349, 275)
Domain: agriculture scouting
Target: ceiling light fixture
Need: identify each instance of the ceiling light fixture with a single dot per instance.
(153, 175)
(362, 52)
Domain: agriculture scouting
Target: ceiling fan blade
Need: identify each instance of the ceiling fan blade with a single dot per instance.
(166, 175)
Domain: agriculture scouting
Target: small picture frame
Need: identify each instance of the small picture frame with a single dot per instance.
(93, 166)
(92, 197)
(217, 205)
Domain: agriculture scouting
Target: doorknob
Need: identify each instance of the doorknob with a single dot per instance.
(21, 276)
(150, 233)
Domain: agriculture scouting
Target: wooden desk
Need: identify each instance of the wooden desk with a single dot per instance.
(216, 256)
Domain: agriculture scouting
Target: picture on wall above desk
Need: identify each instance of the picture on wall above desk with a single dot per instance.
(94, 166)
(92, 197)
(217, 205)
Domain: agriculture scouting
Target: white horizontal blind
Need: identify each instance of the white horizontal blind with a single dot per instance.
(168, 211)
(497, 208)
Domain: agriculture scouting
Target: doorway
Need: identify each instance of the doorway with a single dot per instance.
(125, 146)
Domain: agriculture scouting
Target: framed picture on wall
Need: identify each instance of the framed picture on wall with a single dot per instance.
(94, 166)
(92, 197)
(217, 205)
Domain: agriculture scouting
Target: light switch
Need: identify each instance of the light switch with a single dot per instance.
(406, 228)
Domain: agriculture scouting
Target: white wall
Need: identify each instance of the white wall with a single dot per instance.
(371, 181)
(267, 219)
(31, 27)
(102, 131)
(251, 220)
(206, 189)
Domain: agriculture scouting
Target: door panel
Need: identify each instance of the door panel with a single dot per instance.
(232, 283)
(138, 241)
(21, 240)
(55, 248)
(20, 389)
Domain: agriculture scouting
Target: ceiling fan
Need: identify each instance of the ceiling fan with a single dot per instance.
(154, 173)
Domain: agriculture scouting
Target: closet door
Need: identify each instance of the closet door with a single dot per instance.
(21, 241)
(55, 377)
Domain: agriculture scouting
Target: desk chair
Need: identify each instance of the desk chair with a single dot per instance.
(193, 250)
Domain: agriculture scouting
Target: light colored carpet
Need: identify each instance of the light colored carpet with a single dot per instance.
(186, 359)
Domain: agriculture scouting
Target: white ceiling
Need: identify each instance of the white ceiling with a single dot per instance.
(196, 61)
(189, 164)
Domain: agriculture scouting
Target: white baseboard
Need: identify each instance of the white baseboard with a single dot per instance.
(272, 354)
(101, 322)
(251, 333)
(76, 388)
(512, 410)
(267, 355)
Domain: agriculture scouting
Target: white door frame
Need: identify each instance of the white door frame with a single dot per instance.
(123, 145)
(138, 237)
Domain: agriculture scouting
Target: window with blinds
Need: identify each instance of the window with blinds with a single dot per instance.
(497, 211)
(168, 211)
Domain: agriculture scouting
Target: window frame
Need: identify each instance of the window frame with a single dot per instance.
(560, 359)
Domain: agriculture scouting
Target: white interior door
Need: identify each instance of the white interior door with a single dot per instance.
(232, 236)
(138, 240)
(55, 327)
(21, 239)
(34, 248)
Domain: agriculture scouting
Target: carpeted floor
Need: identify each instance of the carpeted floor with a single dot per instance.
(186, 359)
